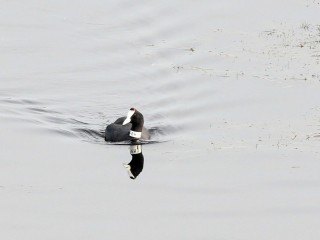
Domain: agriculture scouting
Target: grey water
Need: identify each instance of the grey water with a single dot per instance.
(229, 91)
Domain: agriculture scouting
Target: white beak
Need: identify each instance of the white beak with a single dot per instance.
(128, 119)
(127, 166)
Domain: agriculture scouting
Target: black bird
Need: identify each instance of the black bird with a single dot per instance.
(127, 128)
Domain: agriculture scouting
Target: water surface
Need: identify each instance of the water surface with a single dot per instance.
(230, 90)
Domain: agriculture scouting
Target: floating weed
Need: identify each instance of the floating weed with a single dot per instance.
(305, 26)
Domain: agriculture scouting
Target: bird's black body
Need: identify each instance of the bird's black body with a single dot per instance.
(117, 132)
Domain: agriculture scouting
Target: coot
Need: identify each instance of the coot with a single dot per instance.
(127, 128)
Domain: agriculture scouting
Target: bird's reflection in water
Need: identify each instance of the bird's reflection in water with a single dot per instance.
(135, 167)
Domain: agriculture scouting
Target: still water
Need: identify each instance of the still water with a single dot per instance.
(229, 91)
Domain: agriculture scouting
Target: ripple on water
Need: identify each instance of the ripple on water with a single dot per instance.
(213, 77)
(66, 124)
